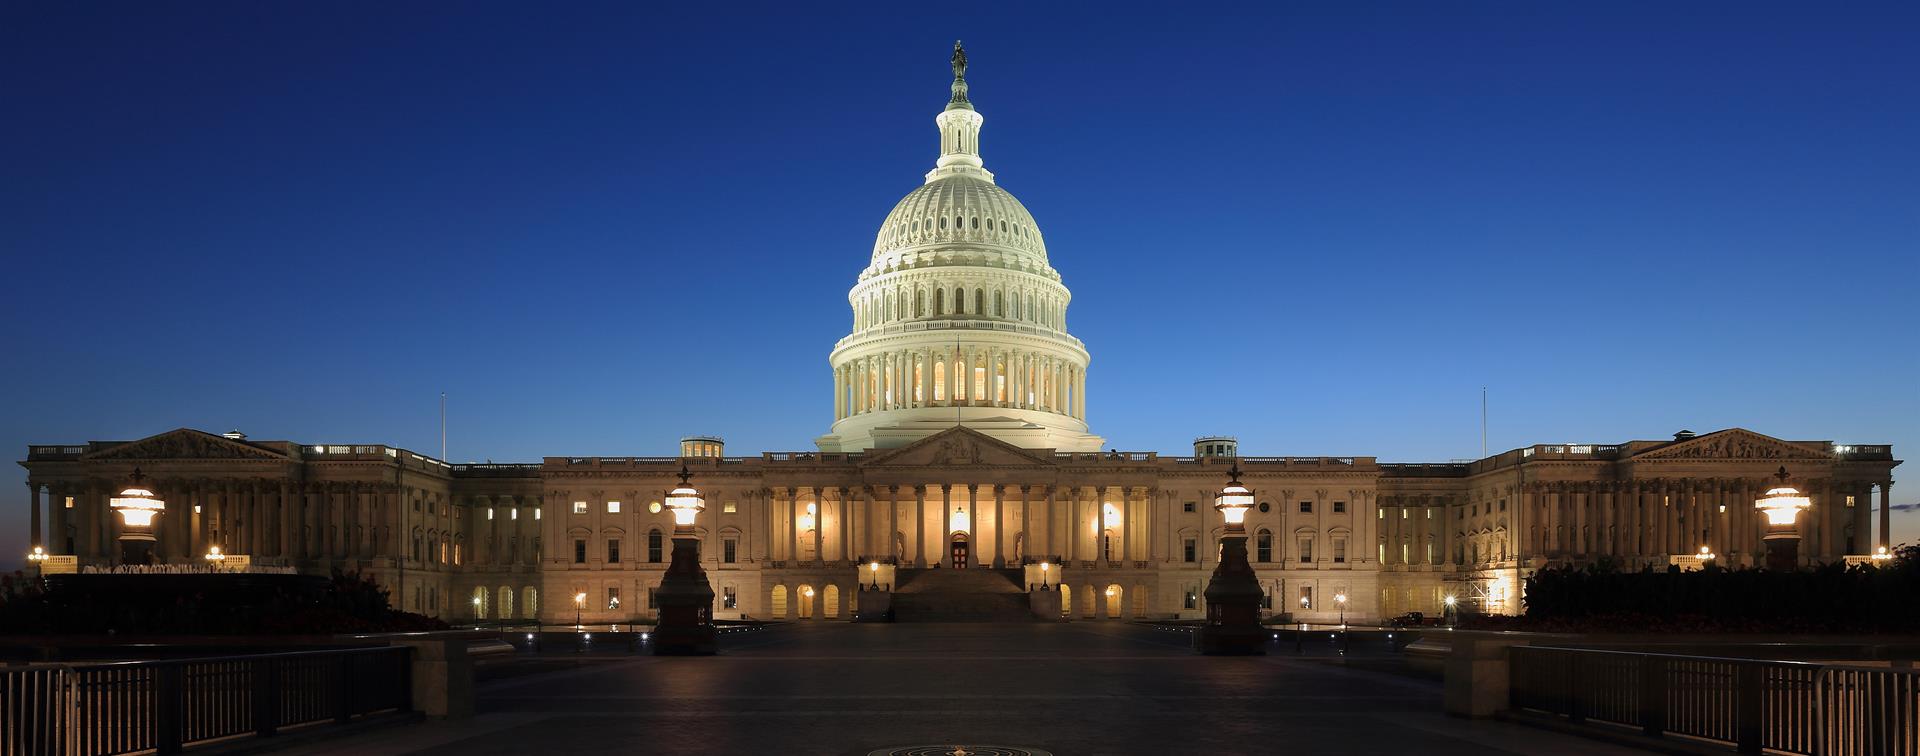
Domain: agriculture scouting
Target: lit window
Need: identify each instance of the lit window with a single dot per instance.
(613, 507)
(514, 513)
(729, 599)
(579, 507)
(69, 502)
(536, 514)
(1403, 514)
(1849, 503)
(728, 508)
(489, 513)
(456, 553)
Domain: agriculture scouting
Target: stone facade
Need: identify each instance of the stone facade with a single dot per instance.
(525, 538)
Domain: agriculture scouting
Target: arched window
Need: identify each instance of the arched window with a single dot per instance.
(504, 610)
(959, 301)
(919, 306)
(999, 304)
(1000, 382)
(940, 380)
(778, 604)
(918, 366)
(939, 302)
(655, 542)
(979, 301)
(976, 224)
(530, 603)
(943, 223)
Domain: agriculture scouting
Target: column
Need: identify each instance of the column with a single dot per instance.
(999, 527)
(1073, 525)
(33, 519)
(1052, 518)
(974, 528)
(946, 530)
(919, 526)
(846, 524)
(1886, 515)
(893, 523)
(1025, 538)
(791, 525)
(1126, 523)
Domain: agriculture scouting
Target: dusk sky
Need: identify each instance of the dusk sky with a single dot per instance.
(1320, 228)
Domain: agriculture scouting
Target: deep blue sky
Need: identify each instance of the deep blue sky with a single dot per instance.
(1321, 228)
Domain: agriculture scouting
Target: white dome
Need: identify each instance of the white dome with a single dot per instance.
(959, 209)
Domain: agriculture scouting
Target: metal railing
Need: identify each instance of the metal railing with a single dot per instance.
(1753, 705)
(167, 705)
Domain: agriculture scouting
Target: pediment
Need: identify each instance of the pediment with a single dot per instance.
(1734, 444)
(958, 447)
(187, 443)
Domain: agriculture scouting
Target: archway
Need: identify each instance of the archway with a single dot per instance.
(777, 607)
(1115, 595)
(806, 602)
(530, 603)
(1066, 601)
(833, 602)
(959, 551)
(504, 609)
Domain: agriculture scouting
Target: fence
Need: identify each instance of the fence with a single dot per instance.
(1753, 705)
(163, 706)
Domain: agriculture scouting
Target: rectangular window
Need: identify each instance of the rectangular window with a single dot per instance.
(513, 514)
(613, 551)
(613, 507)
(613, 598)
(1306, 597)
(489, 513)
(655, 544)
(730, 551)
(1264, 551)
(69, 504)
(443, 552)
(729, 599)
(1306, 507)
(579, 507)
(579, 551)
(456, 553)
(1189, 550)
(1429, 514)
(1380, 513)
(1306, 550)
(1188, 507)
(536, 513)
(1339, 551)
(1503, 505)
(1849, 503)
(653, 597)
(1403, 513)
(1192, 600)
(728, 508)
(1339, 507)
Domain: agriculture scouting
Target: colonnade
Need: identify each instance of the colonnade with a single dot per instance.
(950, 376)
(1657, 518)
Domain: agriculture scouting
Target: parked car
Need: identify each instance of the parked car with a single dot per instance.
(1410, 619)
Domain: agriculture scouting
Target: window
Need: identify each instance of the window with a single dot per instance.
(1339, 507)
(728, 598)
(579, 551)
(1306, 549)
(579, 507)
(1189, 550)
(1380, 513)
(613, 597)
(1188, 507)
(514, 513)
(1266, 506)
(729, 508)
(613, 551)
(489, 513)
(69, 503)
(443, 552)
(1339, 551)
(536, 513)
(613, 507)
(1192, 600)
(1849, 503)
(730, 550)
(1503, 505)
(1264, 550)
(456, 553)
(1403, 513)
(1429, 514)
(653, 546)
(1306, 597)
(1306, 507)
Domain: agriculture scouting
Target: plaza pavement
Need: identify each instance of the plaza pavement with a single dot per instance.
(1079, 689)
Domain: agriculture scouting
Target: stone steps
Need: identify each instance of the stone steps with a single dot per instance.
(970, 595)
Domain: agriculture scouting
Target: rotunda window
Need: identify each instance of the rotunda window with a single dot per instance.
(976, 224)
(943, 223)
(916, 227)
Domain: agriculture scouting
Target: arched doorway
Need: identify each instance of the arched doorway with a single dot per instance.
(833, 602)
(806, 602)
(1115, 595)
(959, 551)
(777, 607)
(1066, 601)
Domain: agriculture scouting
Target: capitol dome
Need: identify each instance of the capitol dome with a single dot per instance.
(958, 318)
(960, 209)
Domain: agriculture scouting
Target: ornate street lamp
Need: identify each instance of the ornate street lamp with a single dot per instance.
(1233, 594)
(1879, 554)
(685, 625)
(1782, 503)
(38, 556)
(579, 603)
(136, 506)
(215, 557)
(1451, 610)
(873, 570)
(1044, 567)
(1341, 599)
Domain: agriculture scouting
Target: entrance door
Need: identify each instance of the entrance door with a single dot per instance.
(959, 552)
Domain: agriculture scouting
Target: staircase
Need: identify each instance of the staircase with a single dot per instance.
(969, 595)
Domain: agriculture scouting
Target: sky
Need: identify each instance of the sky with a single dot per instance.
(1321, 228)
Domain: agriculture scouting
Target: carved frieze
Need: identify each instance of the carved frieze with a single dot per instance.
(186, 444)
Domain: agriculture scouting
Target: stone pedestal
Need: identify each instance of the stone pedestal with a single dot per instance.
(685, 599)
(1477, 677)
(874, 606)
(1233, 605)
(1045, 605)
(442, 675)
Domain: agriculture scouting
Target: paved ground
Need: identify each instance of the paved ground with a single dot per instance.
(1074, 690)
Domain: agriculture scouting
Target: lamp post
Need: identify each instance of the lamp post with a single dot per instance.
(476, 611)
(38, 556)
(1451, 610)
(1044, 567)
(1341, 599)
(1233, 594)
(136, 506)
(1782, 503)
(685, 625)
(579, 603)
(873, 570)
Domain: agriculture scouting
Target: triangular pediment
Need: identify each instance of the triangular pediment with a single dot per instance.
(186, 443)
(958, 447)
(1734, 444)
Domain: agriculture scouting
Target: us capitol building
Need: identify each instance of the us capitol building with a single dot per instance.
(959, 447)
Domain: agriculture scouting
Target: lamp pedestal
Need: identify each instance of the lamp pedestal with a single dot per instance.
(1233, 605)
(686, 604)
(1783, 550)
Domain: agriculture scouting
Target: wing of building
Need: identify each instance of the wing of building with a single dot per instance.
(960, 459)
